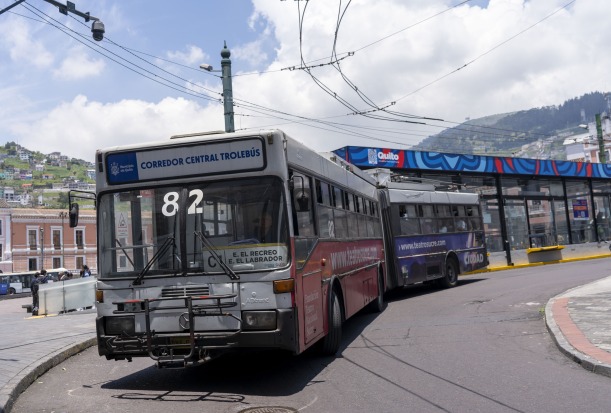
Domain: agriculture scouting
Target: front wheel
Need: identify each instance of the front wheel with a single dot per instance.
(450, 278)
(331, 342)
(11, 291)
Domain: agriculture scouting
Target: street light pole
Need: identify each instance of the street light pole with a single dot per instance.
(63, 215)
(602, 157)
(227, 87)
(42, 247)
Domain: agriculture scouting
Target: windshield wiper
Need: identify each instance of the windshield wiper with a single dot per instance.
(162, 250)
(230, 273)
(124, 252)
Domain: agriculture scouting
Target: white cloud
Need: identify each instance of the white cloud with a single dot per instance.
(250, 52)
(23, 48)
(78, 65)
(193, 56)
(470, 61)
(80, 126)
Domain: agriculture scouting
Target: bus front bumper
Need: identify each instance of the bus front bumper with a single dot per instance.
(203, 343)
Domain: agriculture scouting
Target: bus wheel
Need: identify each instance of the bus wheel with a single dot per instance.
(331, 342)
(378, 305)
(450, 278)
(11, 291)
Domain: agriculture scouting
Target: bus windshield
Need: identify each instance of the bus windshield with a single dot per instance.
(180, 229)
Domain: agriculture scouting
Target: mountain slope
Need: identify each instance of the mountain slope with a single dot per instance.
(536, 132)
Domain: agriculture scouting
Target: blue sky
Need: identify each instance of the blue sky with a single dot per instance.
(443, 59)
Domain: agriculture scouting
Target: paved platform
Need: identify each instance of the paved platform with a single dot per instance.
(578, 321)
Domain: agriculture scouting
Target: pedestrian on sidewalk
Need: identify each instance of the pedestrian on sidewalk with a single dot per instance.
(41, 278)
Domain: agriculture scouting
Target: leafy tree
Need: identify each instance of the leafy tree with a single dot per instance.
(63, 200)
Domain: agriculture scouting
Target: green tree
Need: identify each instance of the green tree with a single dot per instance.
(63, 200)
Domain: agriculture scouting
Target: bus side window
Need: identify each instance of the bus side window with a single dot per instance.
(340, 215)
(338, 199)
(324, 211)
(409, 220)
(304, 214)
(460, 217)
(428, 224)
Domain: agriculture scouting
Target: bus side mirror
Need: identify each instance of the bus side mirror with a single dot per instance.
(73, 215)
(303, 202)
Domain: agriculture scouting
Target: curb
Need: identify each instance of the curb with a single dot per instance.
(565, 346)
(22, 381)
(535, 264)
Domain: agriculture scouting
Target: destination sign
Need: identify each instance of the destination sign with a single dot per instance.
(170, 162)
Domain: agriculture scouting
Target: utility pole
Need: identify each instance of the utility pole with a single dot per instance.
(227, 86)
(42, 247)
(602, 158)
(63, 215)
(227, 89)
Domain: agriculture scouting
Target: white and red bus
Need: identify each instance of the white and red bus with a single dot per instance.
(217, 242)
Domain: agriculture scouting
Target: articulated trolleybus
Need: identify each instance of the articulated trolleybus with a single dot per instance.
(431, 236)
(220, 242)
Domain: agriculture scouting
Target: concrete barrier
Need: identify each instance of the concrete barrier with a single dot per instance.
(63, 296)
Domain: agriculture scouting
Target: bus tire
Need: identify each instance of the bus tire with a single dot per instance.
(378, 305)
(450, 276)
(11, 291)
(331, 341)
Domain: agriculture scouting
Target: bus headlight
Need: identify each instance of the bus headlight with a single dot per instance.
(258, 320)
(118, 325)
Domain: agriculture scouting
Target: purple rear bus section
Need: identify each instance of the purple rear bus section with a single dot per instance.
(416, 252)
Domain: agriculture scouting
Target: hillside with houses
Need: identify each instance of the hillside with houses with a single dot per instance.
(30, 179)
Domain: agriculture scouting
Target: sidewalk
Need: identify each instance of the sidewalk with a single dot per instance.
(578, 321)
(29, 346)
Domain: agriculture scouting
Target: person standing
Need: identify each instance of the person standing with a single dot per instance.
(41, 278)
(86, 272)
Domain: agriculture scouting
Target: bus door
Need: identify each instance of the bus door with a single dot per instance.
(308, 258)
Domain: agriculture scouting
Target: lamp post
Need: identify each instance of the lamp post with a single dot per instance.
(602, 158)
(42, 247)
(63, 215)
(227, 86)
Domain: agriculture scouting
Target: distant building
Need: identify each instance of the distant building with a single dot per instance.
(42, 238)
(585, 147)
(24, 155)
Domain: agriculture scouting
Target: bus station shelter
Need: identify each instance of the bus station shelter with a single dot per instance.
(526, 203)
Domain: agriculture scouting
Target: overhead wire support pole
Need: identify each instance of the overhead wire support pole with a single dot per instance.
(227, 89)
(71, 7)
(97, 28)
(602, 158)
(7, 8)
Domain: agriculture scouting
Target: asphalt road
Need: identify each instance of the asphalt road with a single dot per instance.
(480, 347)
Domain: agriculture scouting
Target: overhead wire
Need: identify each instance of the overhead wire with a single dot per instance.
(335, 63)
(303, 119)
(68, 31)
